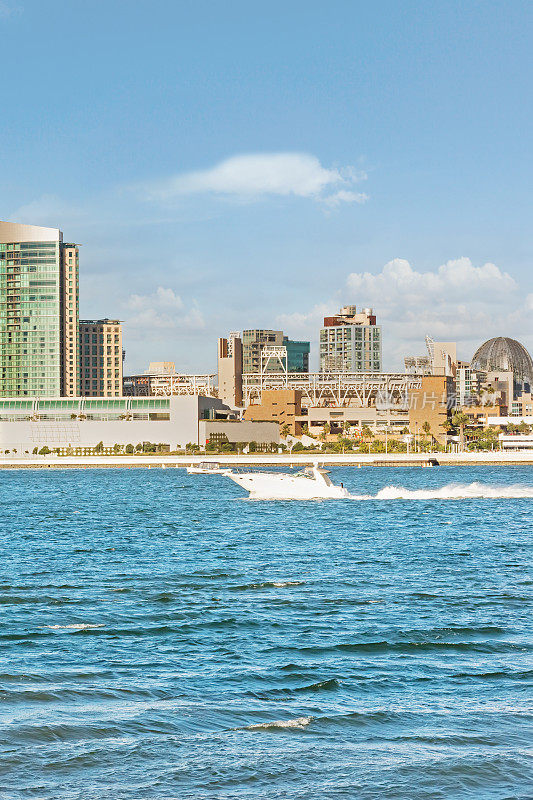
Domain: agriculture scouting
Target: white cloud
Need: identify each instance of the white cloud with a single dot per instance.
(398, 280)
(48, 210)
(8, 9)
(457, 301)
(264, 174)
(162, 310)
(345, 196)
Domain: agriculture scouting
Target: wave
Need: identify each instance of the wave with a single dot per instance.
(76, 627)
(452, 491)
(298, 722)
(267, 585)
(286, 691)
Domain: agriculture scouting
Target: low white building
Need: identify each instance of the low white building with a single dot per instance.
(81, 423)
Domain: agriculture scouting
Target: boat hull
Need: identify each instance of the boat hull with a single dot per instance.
(274, 486)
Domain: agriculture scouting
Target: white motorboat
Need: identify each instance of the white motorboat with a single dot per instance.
(205, 468)
(311, 483)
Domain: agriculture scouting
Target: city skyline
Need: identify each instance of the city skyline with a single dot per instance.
(220, 176)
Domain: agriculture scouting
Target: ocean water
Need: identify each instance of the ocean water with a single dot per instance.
(162, 637)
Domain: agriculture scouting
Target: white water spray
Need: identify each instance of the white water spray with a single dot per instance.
(452, 491)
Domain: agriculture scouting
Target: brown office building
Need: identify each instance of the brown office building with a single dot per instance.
(278, 405)
(101, 358)
(432, 403)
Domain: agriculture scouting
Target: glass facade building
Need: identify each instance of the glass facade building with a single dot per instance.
(38, 312)
(256, 340)
(297, 355)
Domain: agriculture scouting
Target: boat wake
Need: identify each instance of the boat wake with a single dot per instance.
(452, 491)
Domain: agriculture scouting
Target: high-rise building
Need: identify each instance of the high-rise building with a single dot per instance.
(230, 370)
(350, 342)
(101, 357)
(297, 355)
(257, 343)
(38, 312)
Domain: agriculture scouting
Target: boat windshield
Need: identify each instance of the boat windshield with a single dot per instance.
(306, 473)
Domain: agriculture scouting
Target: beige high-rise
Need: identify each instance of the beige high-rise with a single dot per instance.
(101, 358)
(230, 370)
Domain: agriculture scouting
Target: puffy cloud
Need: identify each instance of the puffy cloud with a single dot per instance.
(457, 301)
(162, 310)
(345, 196)
(398, 280)
(264, 174)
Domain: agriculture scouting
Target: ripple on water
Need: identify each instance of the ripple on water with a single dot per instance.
(176, 643)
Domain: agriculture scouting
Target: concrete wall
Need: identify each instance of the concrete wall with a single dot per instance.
(237, 431)
(354, 415)
(27, 435)
(278, 405)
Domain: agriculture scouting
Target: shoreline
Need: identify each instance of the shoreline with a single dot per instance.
(522, 458)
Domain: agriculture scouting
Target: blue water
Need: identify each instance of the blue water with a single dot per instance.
(280, 650)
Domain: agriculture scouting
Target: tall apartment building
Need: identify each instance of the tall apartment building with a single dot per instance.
(256, 340)
(230, 370)
(350, 342)
(39, 312)
(101, 357)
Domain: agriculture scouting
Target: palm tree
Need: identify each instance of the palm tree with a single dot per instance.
(459, 420)
(426, 427)
(366, 434)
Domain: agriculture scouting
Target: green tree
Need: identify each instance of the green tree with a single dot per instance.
(460, 420)
(44, 451)
(99, 448)
(130, 449)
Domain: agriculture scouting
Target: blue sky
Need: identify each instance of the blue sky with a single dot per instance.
(240, 164)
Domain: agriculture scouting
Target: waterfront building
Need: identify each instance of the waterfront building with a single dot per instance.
(523, 406)
(272, 351)
(39, 312)
(136, 385)
(80, 424)
(432, 402)
(297, 354)
(161, 379)
(350, 341)
(101, 357)
(283, 406)
(502, 354)
(230, 370)
(351, 419)
(441, 359)
(418, 365)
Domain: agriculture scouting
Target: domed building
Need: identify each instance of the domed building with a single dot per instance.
(506, 355)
